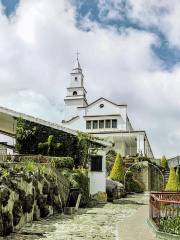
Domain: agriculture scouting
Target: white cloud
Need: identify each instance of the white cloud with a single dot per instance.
(163, 14)
(37, 47)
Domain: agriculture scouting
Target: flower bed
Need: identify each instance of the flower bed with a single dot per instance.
(165, 211)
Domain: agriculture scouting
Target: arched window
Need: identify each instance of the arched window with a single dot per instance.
(74, 93)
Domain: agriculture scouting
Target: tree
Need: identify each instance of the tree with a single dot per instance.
(110, 156)
(117, 172)
(50, 147)
(178, 178)
(163, 162)
(172, 184)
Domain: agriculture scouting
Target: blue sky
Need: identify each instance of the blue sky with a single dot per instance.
(129, 51)
(168, 54)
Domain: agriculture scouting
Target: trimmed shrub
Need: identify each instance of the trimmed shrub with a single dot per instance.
(178, 178)
(117, 172)
(163, 162)
(63, 162)
(172, 181)
(110, 156)
(133, 185)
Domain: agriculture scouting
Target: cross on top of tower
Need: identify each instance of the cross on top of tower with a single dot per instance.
(77, 64)
(77, 55)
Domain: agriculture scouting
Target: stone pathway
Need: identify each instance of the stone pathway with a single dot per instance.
(110, 221)
(136, 227)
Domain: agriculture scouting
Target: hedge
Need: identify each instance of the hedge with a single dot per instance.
(63, 162)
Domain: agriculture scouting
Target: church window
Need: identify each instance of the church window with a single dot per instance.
(101, 123)
(114, 123)
(95, 124)
(76, 78)
(74, 93)
(96, 163)
(108, 123)
(101, 105)
(88, 124)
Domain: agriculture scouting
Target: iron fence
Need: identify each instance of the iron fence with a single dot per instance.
(164, 205)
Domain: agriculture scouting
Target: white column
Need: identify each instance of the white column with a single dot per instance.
(140, 143)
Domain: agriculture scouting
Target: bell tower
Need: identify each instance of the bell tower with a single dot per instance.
(76, 93)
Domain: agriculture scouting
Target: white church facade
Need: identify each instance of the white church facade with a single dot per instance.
(102, 118)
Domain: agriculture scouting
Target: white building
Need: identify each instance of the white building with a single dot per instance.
(102, 118)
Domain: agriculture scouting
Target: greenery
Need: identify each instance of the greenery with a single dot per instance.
(178, 178)
(50, 147)
(170, 225)
(172, 184)
(64, 162)
(110, 157)
(163, 162)
(117, 172)
(79, 179)
(133, 185)
(86, 143)
(33, 138)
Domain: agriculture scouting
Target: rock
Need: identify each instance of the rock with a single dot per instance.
(7, 223)
(27, 204)
(50, 199)
(36, 192)
(4, 195)
(100, 197)
(36, 214)
(41, 201)
(44, 211)
(57, 204)
(45, 189)
(114, 189)
(17, 212)
(22, 194)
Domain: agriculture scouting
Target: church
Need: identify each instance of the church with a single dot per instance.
(102, 118)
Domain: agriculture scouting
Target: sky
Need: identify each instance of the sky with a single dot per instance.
(129, 53)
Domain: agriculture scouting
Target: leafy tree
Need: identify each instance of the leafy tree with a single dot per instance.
(25, 136)
(50, 147)
(117, 172)
(172, 184)
(163, 162)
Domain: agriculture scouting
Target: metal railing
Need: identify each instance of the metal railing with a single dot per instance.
(164, 205)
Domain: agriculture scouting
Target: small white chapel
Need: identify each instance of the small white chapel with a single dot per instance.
(102, 118)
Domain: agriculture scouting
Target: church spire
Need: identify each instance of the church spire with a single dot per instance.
(76, 93)
(77, 66)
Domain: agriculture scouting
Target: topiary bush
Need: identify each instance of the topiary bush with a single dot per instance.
(178, 178)
(117, 172)
(163, 162)
(110, 156)
(172, 184)
(133, 185)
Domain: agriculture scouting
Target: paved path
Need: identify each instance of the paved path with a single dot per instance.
(135, 226)
(122, 221)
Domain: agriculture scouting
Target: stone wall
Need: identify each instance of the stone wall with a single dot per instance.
(150, 176)
(27, 195)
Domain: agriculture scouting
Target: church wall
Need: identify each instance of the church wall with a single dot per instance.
(98, 179)
(108, 109)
